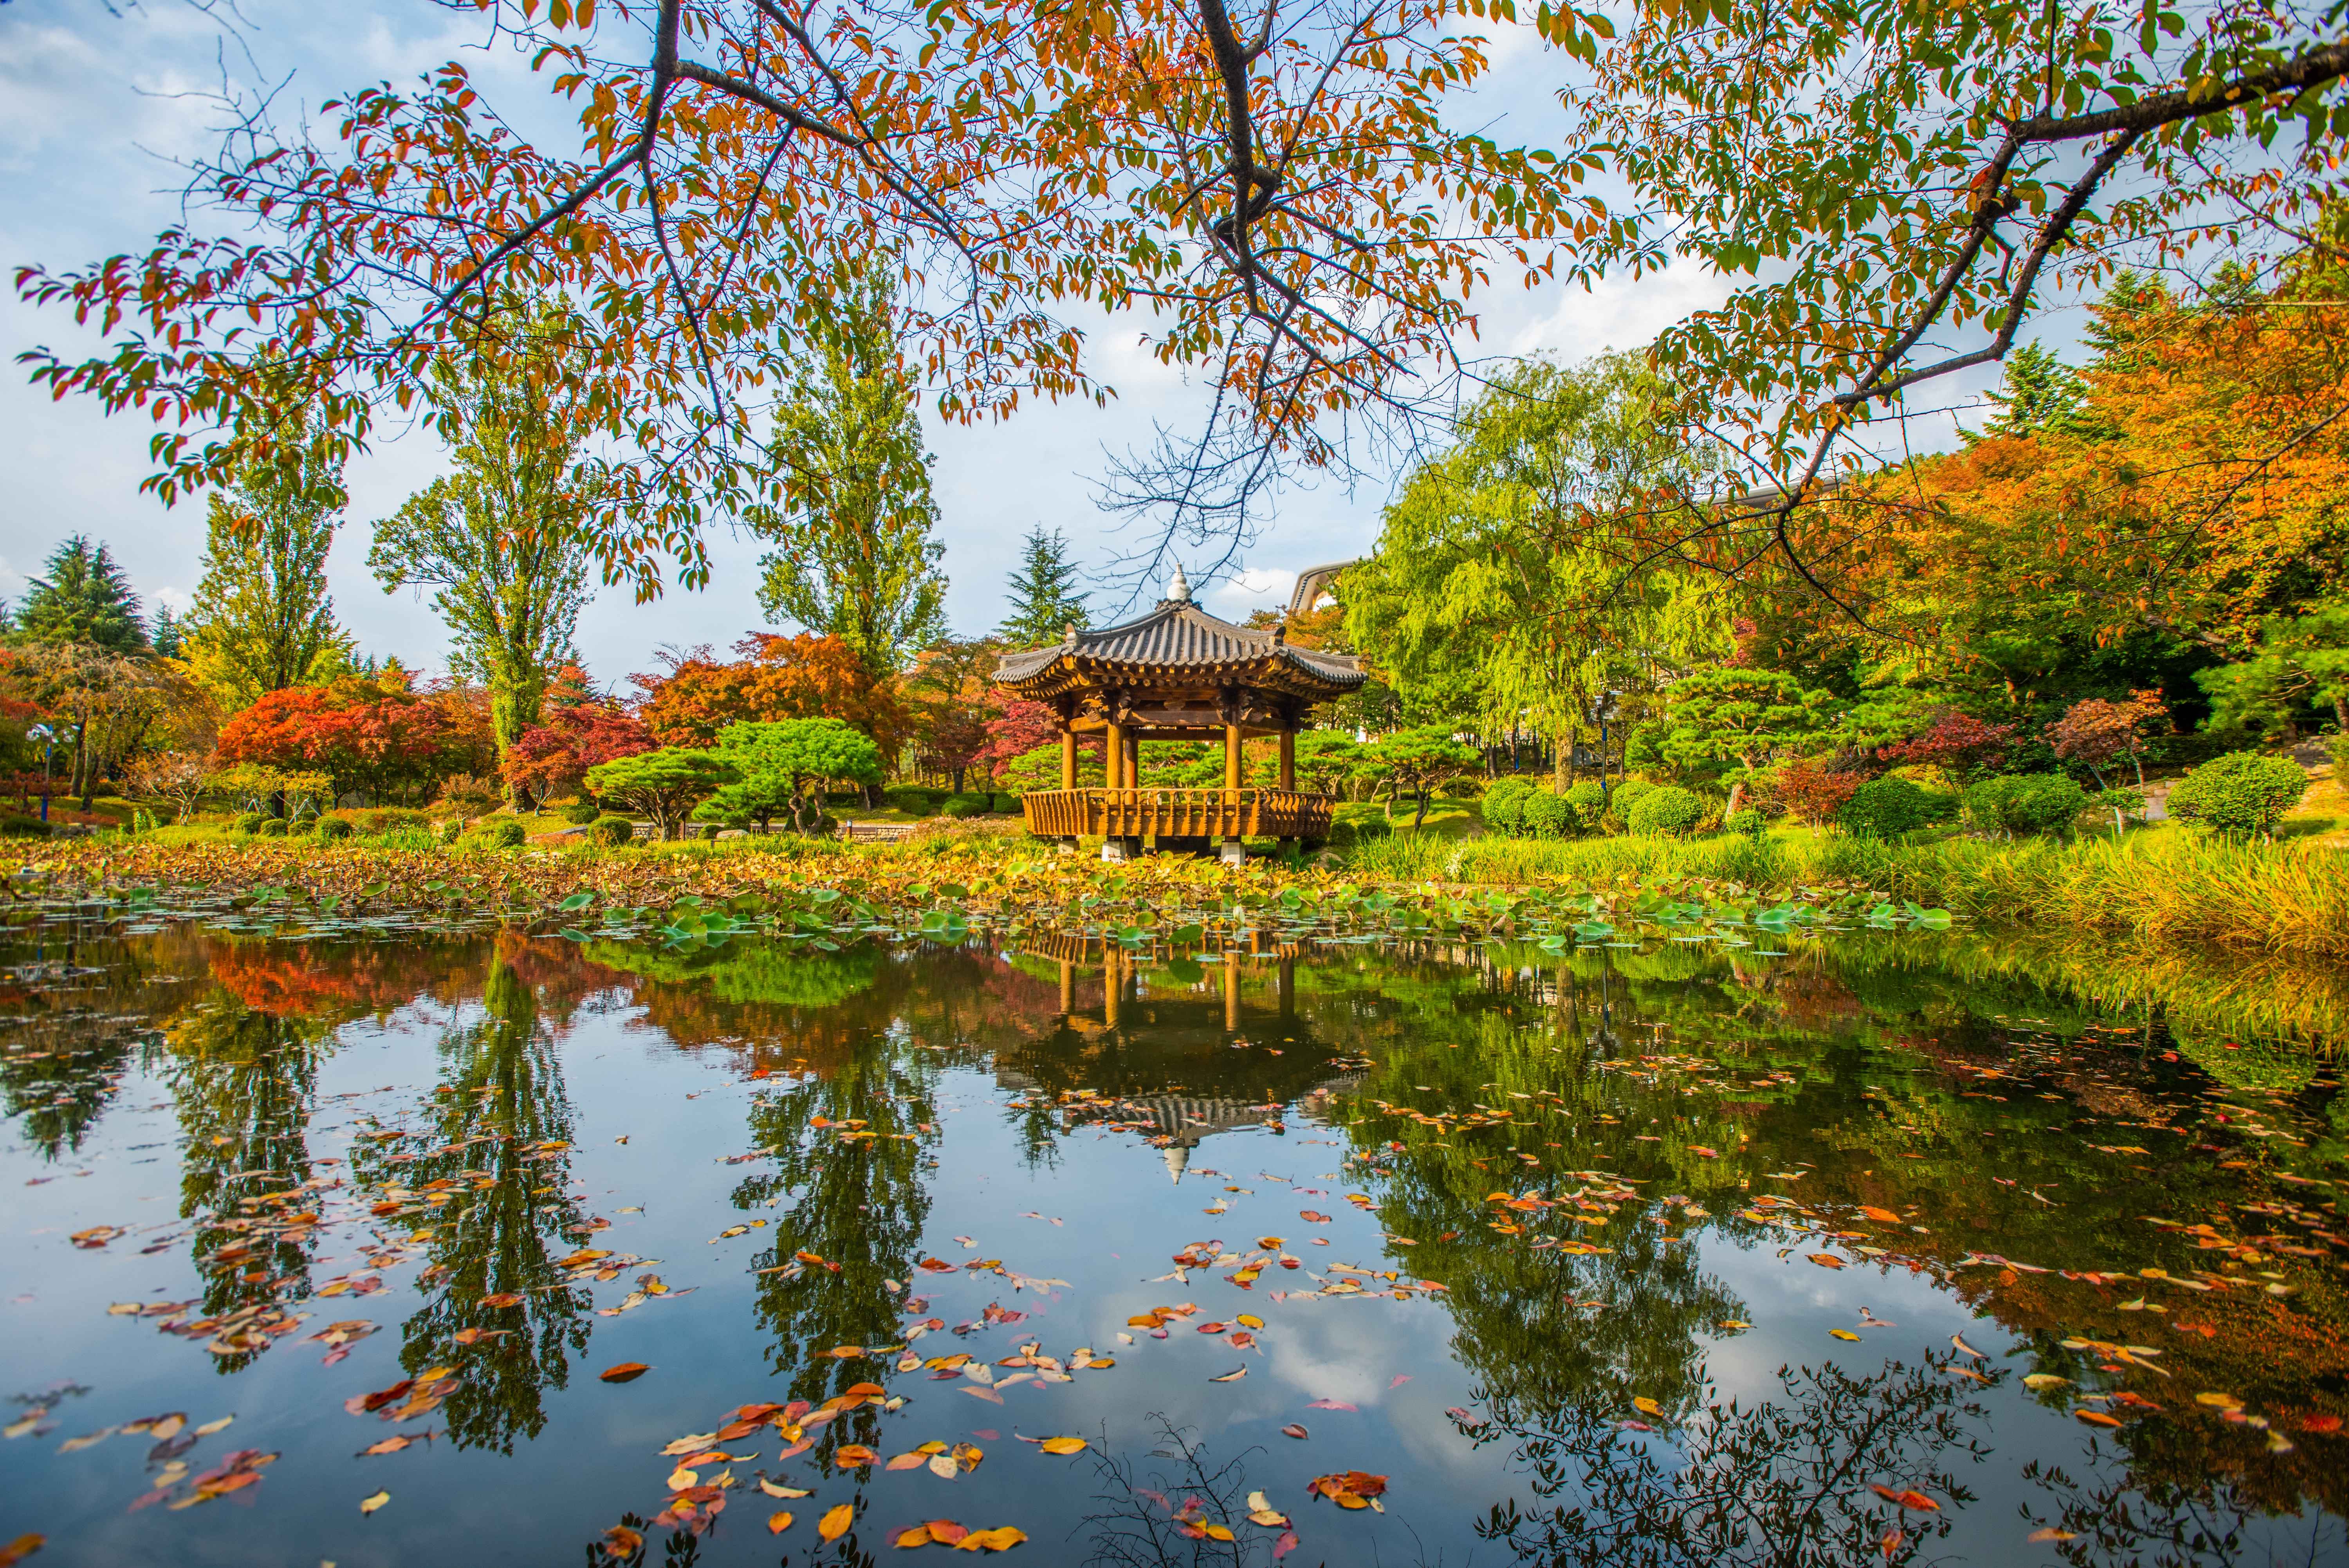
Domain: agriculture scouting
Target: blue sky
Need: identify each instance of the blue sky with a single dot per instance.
(95, 104)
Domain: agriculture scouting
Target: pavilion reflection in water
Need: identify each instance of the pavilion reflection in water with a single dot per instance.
(1167, 1059)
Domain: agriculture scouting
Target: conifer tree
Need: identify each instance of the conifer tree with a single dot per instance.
(1045, 598)
(84, 599)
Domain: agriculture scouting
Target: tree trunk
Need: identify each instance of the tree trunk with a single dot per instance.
(1737, 795)
(1420, 816)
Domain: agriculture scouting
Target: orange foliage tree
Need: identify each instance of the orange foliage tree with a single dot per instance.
(776, 677)
(378, 736)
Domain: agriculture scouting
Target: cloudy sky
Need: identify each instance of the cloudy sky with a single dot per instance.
(97, 101)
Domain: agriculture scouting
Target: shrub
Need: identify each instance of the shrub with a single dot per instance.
(913, 800)
(1349, 833)
(13, 824)
(2337, 748)
(966, 806)
(2241, 792)
(1664, 809)
(1006, 801)
(306, 828)
(272, 827)
(385, 818)
(612, 832)
(2024, 803)
(1811, 793)
(452, 830)
(471, 797)
(1547, 816)
(1888, 806)
(581, 812)
(249, 823)
(1628, 795)
(1747, 824)
(1504, 804)
(1588, 799)
(334, 827)
(503, 832)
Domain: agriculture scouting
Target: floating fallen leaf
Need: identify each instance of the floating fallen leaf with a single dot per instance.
(852, 1456)
(1881, 1216)
(2038, 1380)
(779, 1521)
(370, 1504)
(1647, 1406)
(1826, 1260)
(1959, 1341)
(1230, 1377)
(1248, 1320)
(773, 1490)
(2219, 1401)
(1350, 1488)
(2052, 1533)
(24, 1546)
(1001, 1539)
(503, 1299)
(625, 1372)
(1294, 1430)
(1843, 1333)
(2095, 1418)
(1329, 1405)
(836, 1522)
(1261, 1511)
(1914, 1500)
(1063, 1445)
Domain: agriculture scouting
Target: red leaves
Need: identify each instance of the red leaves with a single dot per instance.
(1916, 1501)
(1313, 1216)
(625, 1372)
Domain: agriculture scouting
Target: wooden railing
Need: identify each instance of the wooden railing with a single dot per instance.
(1178, 813)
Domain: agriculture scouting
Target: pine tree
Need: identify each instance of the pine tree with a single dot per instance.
(262, 620)
(85, 598)
(1045, 599)
(859, 561)
(166, 633)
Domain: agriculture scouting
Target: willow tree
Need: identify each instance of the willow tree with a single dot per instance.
(1502, 566)
(500, 540)
(853, 514)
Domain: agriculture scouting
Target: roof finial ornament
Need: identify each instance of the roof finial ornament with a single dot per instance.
(1069, 635)
(1178, 588)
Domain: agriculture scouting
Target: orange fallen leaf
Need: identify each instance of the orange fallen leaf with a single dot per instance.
(1826, 1260)
(1063, 1445)
(1910, 1499)
(945, 1532)
(625, 1372)
(503, 1299)
(1881, 1216)
(779, 1521)
(2095, 1418)
(24, 1546)
(1001, 1539)
(835, 1523)
(852, 1456)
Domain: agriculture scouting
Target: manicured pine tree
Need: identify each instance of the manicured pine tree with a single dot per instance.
(1045, 598)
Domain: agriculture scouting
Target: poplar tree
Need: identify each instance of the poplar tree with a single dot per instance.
(262, 620)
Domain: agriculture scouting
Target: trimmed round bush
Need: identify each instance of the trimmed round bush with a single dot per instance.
(913, 800)
(502, 833)
(272, 827)
(1747, 824)
(1664, 809)
(1626, 796)
(1348, 832)
(611, 832)
(1005, 801)
(249, 823)
(1589, 798)
(2024, 803)
(1504, 804)
(1549, 816)
(15, 824)
(1885, 807)
(334, 827)
(581, 812)
(2241, 792)
(964, 806)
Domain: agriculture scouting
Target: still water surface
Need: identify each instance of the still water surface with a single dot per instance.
(318, 1252)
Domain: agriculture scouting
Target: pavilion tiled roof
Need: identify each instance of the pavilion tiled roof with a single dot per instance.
(1177, 637)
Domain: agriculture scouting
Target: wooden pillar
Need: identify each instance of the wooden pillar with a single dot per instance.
(1231, 758)
(1117, 756)
(1231, 993)
(1133, 759)
(1068, 987)
(1068, 759)
(1289, 988)
(1111, 985)
(1288, 758)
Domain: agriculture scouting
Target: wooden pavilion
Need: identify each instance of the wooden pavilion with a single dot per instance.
(1178, 674)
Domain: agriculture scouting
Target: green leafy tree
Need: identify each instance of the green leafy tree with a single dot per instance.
(1420, 761)
(2298, 661)
(665, 786)
(1737, 716)
(498, 542)
(2241, 792)
(853, 514)
(1045, 599)
(83, 598)
(1496, 576)
(262, 620)
(785, 767)
(1325, 760)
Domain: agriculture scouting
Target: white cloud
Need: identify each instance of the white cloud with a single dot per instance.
(1249, 589)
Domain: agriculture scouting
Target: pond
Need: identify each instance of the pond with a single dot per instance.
(428, 1245)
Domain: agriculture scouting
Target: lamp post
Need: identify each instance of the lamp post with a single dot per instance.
(48, 739)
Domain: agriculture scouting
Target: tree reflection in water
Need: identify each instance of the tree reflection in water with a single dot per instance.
(1779, 1484)
(500, 1125)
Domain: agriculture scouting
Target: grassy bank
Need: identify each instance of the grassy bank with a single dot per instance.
(2167, 887)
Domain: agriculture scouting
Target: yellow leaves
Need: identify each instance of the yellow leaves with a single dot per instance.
(370, 1504)
(1647, 1406)
(1844, 1334)
(836, 1522)
(1063, 1445)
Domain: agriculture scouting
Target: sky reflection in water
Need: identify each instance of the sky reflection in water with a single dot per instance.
(1660, 1256)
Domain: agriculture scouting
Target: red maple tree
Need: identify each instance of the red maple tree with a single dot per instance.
(378, 736)
(576, 730)
(776, 678)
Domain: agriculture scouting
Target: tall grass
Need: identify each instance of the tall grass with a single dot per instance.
(2163, 886)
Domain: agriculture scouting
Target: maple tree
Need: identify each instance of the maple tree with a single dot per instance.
(379, 737)
(576, 730)
(2093, 731)
(1960, 744)
(776, 677)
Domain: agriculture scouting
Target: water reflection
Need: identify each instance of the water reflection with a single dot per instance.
(1610, 1163)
